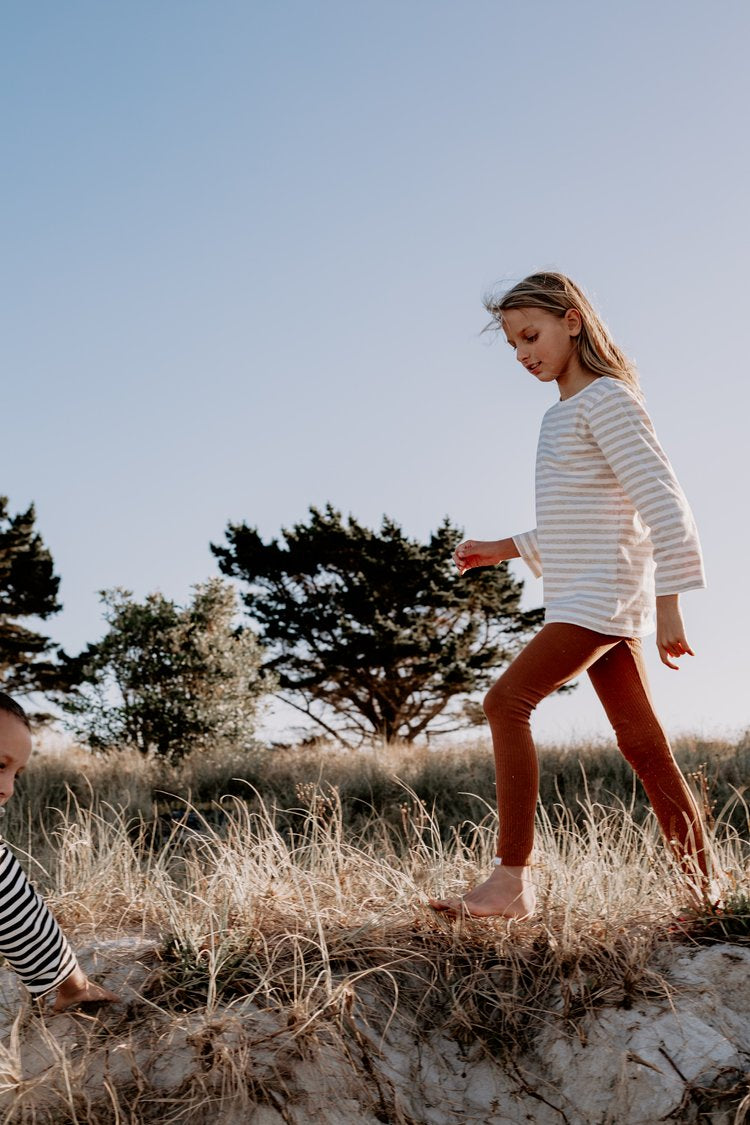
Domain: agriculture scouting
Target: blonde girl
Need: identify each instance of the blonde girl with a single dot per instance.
(616, 544)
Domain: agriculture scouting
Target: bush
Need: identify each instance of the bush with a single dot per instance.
(167, 679)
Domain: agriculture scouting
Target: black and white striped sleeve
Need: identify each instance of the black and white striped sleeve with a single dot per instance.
(30, 938)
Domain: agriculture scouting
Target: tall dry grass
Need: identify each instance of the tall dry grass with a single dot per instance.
(456, 782)
(309, 913)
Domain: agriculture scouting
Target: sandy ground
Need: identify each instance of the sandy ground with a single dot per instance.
(684, 1058)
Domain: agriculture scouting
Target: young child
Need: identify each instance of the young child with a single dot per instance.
(616, 543)
(30, 938)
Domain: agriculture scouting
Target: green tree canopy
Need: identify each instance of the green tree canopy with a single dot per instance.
(168, 679)
(372, 633)
(28, 588)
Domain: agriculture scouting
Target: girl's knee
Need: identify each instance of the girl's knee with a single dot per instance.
(502, 703)
(646, 750)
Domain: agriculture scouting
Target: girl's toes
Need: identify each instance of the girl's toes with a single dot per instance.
(449, 905)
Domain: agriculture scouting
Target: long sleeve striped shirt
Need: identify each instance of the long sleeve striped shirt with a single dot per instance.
(614, 529)
(30, 938)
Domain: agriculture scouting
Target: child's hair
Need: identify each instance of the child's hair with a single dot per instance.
(556, 293)
(7, 703)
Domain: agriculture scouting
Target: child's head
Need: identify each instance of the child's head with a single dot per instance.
(15, 744)
(555, 293)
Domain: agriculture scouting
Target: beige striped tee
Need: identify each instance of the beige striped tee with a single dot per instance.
(614, 529)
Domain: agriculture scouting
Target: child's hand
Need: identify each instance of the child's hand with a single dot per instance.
(670, 630)
(476, 552)
(78, 989)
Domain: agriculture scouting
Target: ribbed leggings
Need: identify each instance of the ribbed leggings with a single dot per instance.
(30, 938)
(557, 654)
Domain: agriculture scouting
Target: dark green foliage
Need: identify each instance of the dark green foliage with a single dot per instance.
(167, 679)
(372, 633)
(28, 588)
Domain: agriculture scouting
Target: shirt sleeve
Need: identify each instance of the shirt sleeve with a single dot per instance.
(625, 434)
(528, 548)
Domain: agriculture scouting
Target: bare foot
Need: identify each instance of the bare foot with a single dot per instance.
(508, 893)
(78, 989)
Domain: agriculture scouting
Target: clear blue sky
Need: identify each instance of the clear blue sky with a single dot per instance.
(244, 251)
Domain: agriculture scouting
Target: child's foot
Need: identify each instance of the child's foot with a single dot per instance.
(508, 893)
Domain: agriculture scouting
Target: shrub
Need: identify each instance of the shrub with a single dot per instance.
(168, 679)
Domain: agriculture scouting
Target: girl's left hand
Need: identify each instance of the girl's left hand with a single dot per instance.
(670, 631)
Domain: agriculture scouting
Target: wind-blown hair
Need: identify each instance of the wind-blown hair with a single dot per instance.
(8, 704)
(555, 293)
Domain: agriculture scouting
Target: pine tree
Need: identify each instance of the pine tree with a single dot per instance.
(28, 588)
(372, 633)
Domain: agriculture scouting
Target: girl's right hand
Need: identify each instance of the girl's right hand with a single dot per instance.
(476, 552)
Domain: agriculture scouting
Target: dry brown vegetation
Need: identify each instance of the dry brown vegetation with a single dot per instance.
(290, 910)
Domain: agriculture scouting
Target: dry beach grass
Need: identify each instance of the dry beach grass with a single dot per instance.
(252, 933)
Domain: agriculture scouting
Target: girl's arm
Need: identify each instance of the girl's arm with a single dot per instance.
(527, 546)
(624, 433)
(670, 630)
(33, 944)
(484, 552)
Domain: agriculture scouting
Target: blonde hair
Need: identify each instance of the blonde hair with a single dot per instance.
(555, 293)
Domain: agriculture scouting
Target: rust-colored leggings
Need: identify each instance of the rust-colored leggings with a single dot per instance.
(557, 654)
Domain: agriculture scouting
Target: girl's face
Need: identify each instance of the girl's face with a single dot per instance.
(15, 749)
(545, 344)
